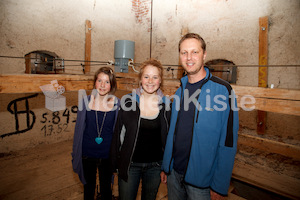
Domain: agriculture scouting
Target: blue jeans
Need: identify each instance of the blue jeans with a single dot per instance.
(178, 190)
(149, 173)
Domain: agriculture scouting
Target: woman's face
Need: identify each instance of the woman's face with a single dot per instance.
(102, 84)
(150, 79)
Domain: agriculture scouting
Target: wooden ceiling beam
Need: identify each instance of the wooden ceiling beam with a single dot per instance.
(272, 100)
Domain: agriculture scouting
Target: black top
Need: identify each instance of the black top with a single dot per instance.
(184, 129)
(126, 133)
(148, 146)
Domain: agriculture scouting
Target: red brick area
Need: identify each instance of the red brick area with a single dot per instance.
(142, 9)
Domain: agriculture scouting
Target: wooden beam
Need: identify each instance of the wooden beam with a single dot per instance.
(88, 46)
(270, 100)
(273, 105)
(27, 64)
(263, 52)
(268, 93)
(267, 145)
(262, 71)
(267, 179)
(266, 99)
(30, 83)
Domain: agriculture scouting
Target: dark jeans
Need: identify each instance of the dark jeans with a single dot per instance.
(90, 166)
(178, 190)
(150, 175)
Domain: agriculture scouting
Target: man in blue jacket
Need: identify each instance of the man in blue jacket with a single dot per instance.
(202, 139)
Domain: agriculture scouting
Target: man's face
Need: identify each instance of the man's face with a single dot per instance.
(192, 56)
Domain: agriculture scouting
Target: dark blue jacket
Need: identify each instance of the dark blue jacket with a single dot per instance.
(214, 139)
(78, 138)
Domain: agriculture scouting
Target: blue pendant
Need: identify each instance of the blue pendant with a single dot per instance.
(99, 140)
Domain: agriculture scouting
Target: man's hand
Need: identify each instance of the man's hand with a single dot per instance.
(163, 177)
(214, 195)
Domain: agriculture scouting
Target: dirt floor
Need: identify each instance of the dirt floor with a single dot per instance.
(45, 172)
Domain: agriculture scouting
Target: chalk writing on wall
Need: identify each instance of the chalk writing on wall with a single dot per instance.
(30, 116)
(57, 122)
(53, 123)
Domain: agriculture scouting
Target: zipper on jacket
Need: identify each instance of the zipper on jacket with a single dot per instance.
(137, 133)
(166, 122)
(192, 138)
(205, 81)
(165, 117)
(197, 115)
(175, 127)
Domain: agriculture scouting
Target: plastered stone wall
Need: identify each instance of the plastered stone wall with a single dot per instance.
(231, 31)
(229, 27)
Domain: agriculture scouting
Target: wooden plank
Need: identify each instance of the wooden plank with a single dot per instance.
(88, 46)
(267, 179)
(263, 99)
(272, 100)
(288, 107)
(27, 64)
(263, 52)
(26, 83)
(240, 91)
(30, 83)
(262, 71)
(259, 92)
(38, 172)
(232, 196)
(266, 99)
(288, 150)
(261, 122)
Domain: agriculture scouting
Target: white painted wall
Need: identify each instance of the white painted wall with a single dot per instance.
(230, 29)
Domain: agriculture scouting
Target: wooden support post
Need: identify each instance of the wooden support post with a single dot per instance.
(88, 45)
(27, 64)
(263, 69)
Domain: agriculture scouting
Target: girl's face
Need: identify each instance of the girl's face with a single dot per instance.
(102, 84)
(150, 79)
